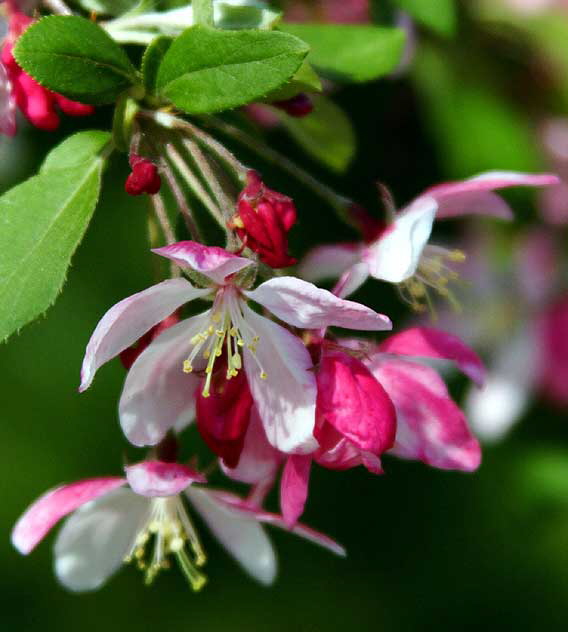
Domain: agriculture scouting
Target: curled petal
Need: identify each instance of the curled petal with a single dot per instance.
(329, 262)
(338, 453)
(158, 478)
(130, 319)
(276, 520)
(93, 542)
(213, 262)
(294, 487)
(354, 403)
(239, 533)
(431, 427)
(286, 397)
(302, 304)
(37, 521)
(433, 343)
(351, 280)
(157, 395)
(473, 196)
(395, 255)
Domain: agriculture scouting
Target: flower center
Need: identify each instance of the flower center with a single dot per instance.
(434, 272)
(168, 524)
(227, 328)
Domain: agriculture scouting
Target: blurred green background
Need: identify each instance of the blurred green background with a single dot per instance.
(426, 549)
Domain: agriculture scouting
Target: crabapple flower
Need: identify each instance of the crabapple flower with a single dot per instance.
(116, 519)
(17, 88)
(158, 388)
(401, 253)
(144, 177)
(263, 220)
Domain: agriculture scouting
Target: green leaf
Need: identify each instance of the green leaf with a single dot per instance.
(305, 80)
(42, 222)
(207, 70)
(326, 133)
(152, 59)
(231, 16)
(438, 15)
(76, 58)
(77, 149)
(351, 52)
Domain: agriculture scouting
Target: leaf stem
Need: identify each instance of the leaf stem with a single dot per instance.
(203, 12)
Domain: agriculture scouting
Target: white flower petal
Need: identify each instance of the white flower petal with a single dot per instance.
(157, 394)
(329, 262)
(94, 540)
(286, 399)
(241, 535)
(130, 319)
(395, 255)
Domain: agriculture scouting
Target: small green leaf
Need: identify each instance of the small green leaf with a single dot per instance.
(207, 70)
(76, 58)
(152, 59)
(438, 15)
(326, 133)
(77, 149)
(305, 80)
(351, 52)
(42, 222)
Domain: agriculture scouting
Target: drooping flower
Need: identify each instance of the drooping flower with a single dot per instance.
(158, 388)
(116, 520)
(39, 105)
(263, 220)
(363, 388)
(401, 253)
(144, 177)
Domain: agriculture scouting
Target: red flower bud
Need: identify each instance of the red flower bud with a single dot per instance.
(144, 177)
(299, 106)
(263, 220)
(223, 416)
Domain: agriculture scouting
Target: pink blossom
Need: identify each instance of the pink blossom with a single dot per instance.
(401, 253)
(17, 88)
(116, 519)
(157, 392)
(144, 177)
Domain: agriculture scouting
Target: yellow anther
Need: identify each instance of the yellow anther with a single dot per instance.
(238, 222)
(457, 255)
(263, 375)
(216, 318)
(187, 368)
(240, 342)
(206, 355)
(176, 544)
(237, 363)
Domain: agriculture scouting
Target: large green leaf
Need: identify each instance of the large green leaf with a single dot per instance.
(152, 59)
(75, 150)
(326, 133)
(42, 222)
(207, 70)
(76, 58)
(439, 15)
(351, 52)
(305, 80)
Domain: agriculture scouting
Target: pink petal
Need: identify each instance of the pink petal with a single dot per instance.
(294, 487)
(395, 255)
(329, 262)
(302, 304)
(351, 280)
(470, 196)
(157, 395)
(354, 403)
(7, 105)
(433, 343)
(286, 398)
(259, 460)
(338, 453)
(213, 262)
(431, 427)
(158, 478)
(238, 504)
(45, 512)
(128, 320)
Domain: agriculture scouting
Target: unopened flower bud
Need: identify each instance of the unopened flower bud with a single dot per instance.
(262, 221)
(298, 106)
(144, 177)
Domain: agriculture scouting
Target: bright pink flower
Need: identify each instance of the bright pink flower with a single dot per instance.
(553, 351)
(144, 177)
(401, 254)
(263, 221)
(17, 88)
(157, 392)
(112, 523)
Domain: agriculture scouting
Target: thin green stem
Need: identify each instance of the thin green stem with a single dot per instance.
(203, 12)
